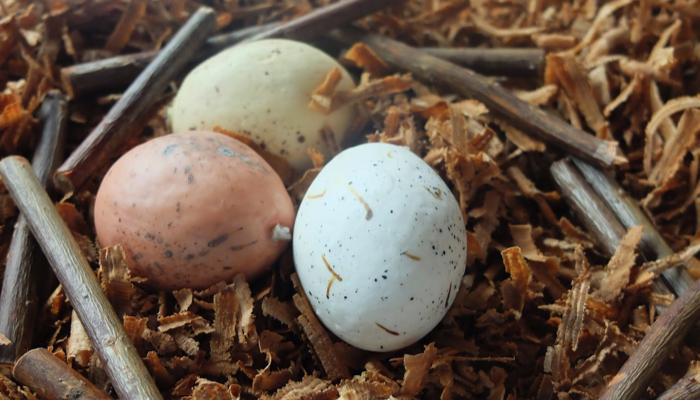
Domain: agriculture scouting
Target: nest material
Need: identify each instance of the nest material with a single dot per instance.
(541, 313)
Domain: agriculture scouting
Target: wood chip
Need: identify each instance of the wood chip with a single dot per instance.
(417, 367)
(365, 58)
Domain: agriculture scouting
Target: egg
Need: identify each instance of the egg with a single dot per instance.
(262, 89)
(193, 209)
(379, 246)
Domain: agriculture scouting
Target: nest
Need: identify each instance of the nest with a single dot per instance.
(547, 308)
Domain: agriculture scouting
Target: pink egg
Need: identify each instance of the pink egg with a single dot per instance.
(192, 209)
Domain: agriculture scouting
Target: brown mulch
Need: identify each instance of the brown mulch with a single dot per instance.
(541, 313)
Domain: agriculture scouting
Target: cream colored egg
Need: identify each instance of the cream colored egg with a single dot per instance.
(262, 89)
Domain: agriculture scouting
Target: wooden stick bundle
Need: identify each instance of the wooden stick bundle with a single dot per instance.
(595, 215)
(675, 322)
(52, 379)
(18, 299)
(498, 100)
(624, 207)
(128, 374)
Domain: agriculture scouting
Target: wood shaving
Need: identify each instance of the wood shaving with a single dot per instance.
(116, 278)
(310, 387)
(326, 104)
(247, 334)
(620, 266)
(284, 312)
(515, 289)
(364, 57)
(226, 309)
(79, 349)
(570, 75)
(417, 368)
(135, 10)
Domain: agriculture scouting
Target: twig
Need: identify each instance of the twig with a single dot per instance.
(665, 336)
(673, 324)
(52, 379)
(595, 215)
(116, 73)
(606, 230)
(127, 115)
(129, 376)
(688, 387)
(18, 299)
(498, 100)
(323, 19)
(629, 213)
(512, 62)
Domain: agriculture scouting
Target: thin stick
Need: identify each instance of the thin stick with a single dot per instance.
(127, 115)
(18, 299)
(52, 379)
(116, 73)
(629, 213)
(498, 100)
(606, 230)
(322, 20)
(688, 387)
(129, 376)
(665, 335)
(511, 62)
(595, 215)
(667, 331)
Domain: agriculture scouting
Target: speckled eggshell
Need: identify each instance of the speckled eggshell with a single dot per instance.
(262, 89)
(193, 209)
(379, 246)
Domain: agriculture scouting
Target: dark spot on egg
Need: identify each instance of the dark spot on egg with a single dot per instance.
(217, 241)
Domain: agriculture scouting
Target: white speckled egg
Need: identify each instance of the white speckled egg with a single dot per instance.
(379, 246)
(262, 89)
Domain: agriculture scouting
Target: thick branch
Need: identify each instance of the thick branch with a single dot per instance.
(52, 379)
(18, 299)
(126, 116)
(499, 101)
(629, 213)
(127, 372)
(513, 62)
